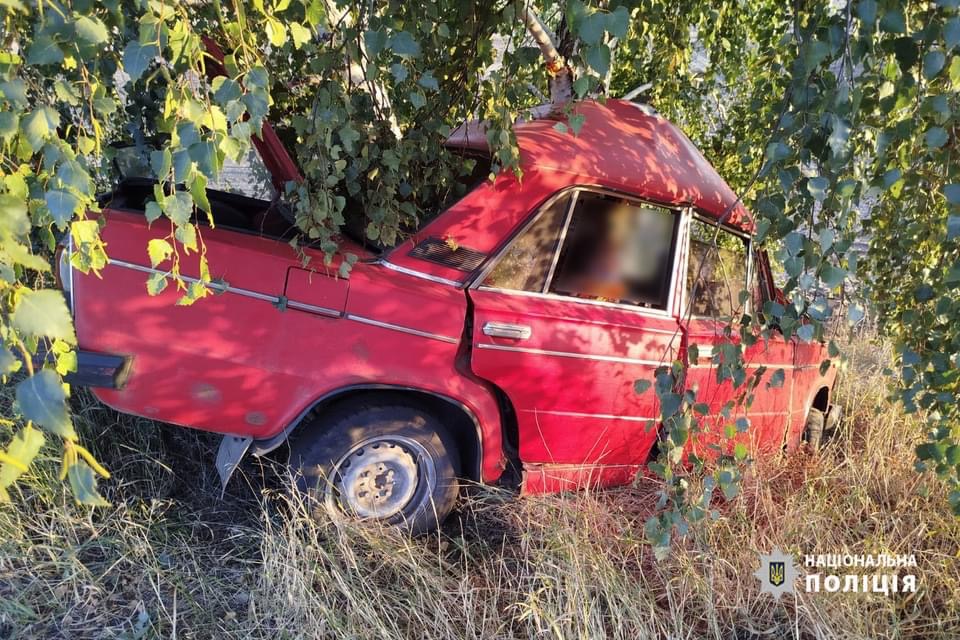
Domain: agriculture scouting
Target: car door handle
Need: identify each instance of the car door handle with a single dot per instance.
(506, 330)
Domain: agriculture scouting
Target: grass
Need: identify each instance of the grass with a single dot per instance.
(169, 558)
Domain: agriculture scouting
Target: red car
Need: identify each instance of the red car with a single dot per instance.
(514, 324)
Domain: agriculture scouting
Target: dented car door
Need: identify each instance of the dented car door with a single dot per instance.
(575, 309)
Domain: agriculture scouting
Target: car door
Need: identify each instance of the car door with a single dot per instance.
(572, 312)
(724, 283)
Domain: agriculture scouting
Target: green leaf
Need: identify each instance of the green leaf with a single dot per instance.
(161, 161)
(9, 123)
(375, 41)
(641, 386)
(91, 30)
(952, 193)
(427, 81)
(137, 57)
(403, 44)
(23, 448)
(832, 276)
(301, 35)
(893, 21)
(41, 398)
(777, 151)
(417, 99)
(598, 58)
(951, 32)
(159, 251)
(670, 404)
(198, 189)
(225, 89)
(276, 32)
(44, 313)
(43, 50)
(592, 27)
(776, 380)
(399, 72)
(7, 360)
(13, 216)
(156, 283)
(936, 137)
(933, 63)
(953, 227)
(62, 205)
(867, 11)
(740, 451)
(818, 188)
(794, 243)
(955, 72)
(805, 332)
(839, 135)
(581, 85)
(618, 22)
(39, 126)
(178, 207)
(84, 485)
(153, 211)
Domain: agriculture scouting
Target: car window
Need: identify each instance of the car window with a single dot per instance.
(717, 272)
(525, 265)
(617, 250)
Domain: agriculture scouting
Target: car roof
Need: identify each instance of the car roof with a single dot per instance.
(629, 147)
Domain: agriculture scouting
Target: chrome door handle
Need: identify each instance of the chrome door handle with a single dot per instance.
(506, 330)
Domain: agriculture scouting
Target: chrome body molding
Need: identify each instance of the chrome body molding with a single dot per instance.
(312, 308)
(568, 354)
(602, 416)
(418, 274)
(402, 329)
(293, 304)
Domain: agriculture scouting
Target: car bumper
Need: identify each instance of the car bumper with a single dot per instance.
(94, 369)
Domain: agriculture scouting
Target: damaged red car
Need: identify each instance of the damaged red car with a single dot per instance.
(512, 326)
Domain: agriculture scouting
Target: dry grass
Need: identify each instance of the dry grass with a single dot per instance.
(170, 559)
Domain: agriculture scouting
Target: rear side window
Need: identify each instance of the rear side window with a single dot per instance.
(526, 264)
(617, 250)
(717, 276)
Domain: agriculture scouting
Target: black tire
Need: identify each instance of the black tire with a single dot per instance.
(333, 457)
(813, 430)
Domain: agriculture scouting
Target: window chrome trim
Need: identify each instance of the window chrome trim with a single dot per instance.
(569, 354)
(494, 257)
(743, 235)
(677, 210)
(577, 414)
(658, 314)
(574, 199)
(401, 328)
(418, 274)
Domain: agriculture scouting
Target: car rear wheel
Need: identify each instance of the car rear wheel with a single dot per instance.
(393, 464)
(813, 430)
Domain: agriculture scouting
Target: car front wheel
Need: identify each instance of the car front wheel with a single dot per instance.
(394, 464)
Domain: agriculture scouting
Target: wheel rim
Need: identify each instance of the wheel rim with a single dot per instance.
(380, 477)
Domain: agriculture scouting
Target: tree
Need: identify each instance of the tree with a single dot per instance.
(831, 120)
